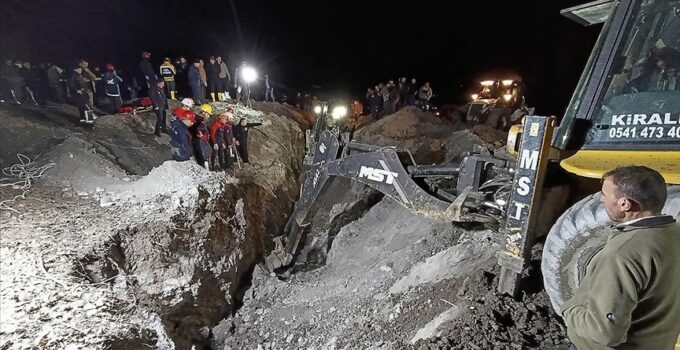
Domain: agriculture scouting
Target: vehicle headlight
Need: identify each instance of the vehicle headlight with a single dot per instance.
(475, 97)
(317, 109)
(507, 97)
(249, 74)
(507, 82)
(339, 112)
(487, 83)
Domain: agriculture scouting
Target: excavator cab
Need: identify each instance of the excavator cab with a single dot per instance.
(626, 108)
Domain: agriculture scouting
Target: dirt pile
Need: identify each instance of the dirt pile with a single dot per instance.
(106, 254)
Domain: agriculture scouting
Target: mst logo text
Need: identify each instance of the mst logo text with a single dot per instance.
(378, 175)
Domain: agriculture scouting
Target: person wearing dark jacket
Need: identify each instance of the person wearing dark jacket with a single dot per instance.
(112, 87)
(212, 72)
(411, 90)
(78, 87)
(181, 119)
(12, 82)
(241, 136)
(160, 106)
(629, 296)
(147, 72)
(222, 138)
(195, 82)
(375, 103)
(54, 83)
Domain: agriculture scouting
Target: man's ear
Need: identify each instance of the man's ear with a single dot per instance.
(627, 205)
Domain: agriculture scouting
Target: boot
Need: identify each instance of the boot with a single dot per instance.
(219, 97)
(172, 95)
(206, 165)
(212, 96)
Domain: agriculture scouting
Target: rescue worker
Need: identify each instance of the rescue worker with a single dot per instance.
(160, 105)
(112, 88)
(195, 83)
(200, 135)
(180, 140)
(78, 86)
(629, 296)
(147, 72)
(225, 78)
(168, 73)
(212, 71)
(241, 136)
(222, 137)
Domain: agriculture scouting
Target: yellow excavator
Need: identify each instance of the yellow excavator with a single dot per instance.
(625, 110)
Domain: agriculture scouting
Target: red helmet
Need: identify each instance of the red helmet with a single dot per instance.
(146, 54)
(109, 67)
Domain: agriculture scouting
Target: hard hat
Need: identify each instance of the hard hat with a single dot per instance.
(206, 108)
(146, 54)
(187, 102)
(109, 67)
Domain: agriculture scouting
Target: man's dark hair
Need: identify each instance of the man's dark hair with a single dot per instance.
(643, 185)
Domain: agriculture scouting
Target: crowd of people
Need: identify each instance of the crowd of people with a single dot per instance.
(211, 142)
(106, 87)
(387, 98)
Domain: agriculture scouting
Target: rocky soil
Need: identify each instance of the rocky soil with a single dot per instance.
(115, 247)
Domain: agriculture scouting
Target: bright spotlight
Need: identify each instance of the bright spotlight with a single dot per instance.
(507, 82)
(507, 97)
(248, 74)
(317, 109)
(339, 112)
(475, 97)
(487, 83)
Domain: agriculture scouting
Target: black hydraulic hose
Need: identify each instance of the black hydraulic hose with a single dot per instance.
(434, 170)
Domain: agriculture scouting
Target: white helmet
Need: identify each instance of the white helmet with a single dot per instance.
(187, 102)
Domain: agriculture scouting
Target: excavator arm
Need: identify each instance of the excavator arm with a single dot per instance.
(383, 169)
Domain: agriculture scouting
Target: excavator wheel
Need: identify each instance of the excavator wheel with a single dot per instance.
(575, 238)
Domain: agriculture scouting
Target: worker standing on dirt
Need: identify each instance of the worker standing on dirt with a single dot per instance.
(160, 105)
(375, 103)
(90, 81)
(195, 83)
(225, 77)
(168, 73)
(212, 71)
(54, 83)
(78, 86)
(629, 296)
(424, 95)
(147, 72)
(241, 136)
(180, 140)
(222, 137)
(204, 78)
(112, 87)
(411, 91)
(268, 89)
(200, 135)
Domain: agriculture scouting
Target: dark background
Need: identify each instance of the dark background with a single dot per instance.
(324, 47)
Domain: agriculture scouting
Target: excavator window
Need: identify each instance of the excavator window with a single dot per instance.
(639, 103)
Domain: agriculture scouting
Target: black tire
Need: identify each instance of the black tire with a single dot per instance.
(574, 239)
(499, 118)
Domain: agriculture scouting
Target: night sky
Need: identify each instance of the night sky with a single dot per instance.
(338, 47)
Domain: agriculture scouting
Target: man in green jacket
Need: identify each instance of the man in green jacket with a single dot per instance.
(629, 297)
